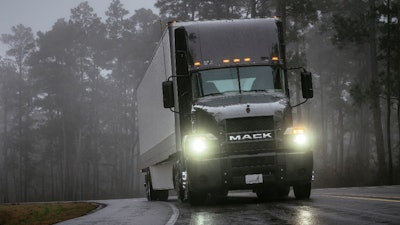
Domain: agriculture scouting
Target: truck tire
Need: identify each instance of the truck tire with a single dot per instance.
(162, 195)
(150, 193)
(283, 191)
(154, 195)
(181, 193)
(268, 193)
(263, 195)
(197, 198)
(178, 184)
(302, 191)
(220, 196)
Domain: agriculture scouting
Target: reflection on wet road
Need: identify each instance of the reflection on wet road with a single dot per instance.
(305, 216)
(327, 206)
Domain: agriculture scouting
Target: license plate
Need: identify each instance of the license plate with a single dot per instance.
(254, 179)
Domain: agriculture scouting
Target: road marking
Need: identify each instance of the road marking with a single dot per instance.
(368, 198)
(175, 214)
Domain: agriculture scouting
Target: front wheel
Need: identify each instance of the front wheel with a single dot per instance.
(283, 191)
(302, 191)
(266, 194)
(180, 183)
(197, 198)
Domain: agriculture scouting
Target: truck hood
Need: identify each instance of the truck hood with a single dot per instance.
(242, 105)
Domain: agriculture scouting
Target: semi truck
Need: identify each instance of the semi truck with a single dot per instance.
(215, 115)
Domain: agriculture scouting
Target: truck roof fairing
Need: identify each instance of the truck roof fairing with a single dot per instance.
(228, 42)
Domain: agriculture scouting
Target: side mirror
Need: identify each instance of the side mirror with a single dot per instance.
(306, 84)
(168, 94)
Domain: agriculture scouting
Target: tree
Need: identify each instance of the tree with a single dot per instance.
(57, 89)
(388, 56)
(299, 16)
(365, 30)
(119, 113)
(89, 51)
(190, 10)
(179, 10)
(21, 43)
(8, 95)
(78, 107)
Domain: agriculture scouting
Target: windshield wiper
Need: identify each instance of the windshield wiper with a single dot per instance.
(258, 90)
(213, 94)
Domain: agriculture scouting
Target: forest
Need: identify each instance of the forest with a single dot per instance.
(68, 109)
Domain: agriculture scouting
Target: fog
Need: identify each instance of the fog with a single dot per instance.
(68, 103)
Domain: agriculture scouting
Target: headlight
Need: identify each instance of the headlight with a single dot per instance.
(300, 139)
(297, 136)
(199, 145)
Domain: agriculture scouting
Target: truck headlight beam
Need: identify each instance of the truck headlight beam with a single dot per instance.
(199, 145)
(300, 139)
(298, 136)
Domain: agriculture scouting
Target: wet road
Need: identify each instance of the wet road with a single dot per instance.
(369, 205)
(127, 212)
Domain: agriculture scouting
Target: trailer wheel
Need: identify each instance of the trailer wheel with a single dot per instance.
(150, 193)
(153, 195)
(162, 195)
(302, 191)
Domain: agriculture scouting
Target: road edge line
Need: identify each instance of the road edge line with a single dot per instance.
(175, 214)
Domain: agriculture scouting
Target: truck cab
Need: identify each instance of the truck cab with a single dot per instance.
(229, 94)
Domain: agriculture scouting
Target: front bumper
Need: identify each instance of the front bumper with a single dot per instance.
(229, 173)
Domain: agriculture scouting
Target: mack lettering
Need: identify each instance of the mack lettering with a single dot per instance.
(249, 137)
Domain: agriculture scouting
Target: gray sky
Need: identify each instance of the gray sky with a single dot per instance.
(40, 15)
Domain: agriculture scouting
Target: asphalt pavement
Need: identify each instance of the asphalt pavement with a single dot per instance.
(360, 205)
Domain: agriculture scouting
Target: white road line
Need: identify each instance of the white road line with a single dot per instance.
(175, 214)
(369, 198)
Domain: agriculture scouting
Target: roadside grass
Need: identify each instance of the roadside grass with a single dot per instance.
(42, 213)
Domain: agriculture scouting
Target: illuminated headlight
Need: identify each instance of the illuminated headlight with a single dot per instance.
(199, 145)
(298, 137)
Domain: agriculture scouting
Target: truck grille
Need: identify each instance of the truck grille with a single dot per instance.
(250, 135)
(243, 166)
(249, 124)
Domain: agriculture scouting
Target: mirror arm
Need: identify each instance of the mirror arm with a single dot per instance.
(174, 111)
(301, 103)
(297, 68)
(169, 79)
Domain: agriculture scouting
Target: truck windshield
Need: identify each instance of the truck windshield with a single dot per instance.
(237, 80)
